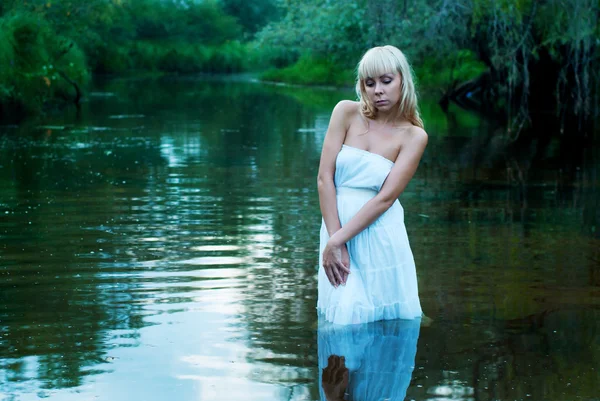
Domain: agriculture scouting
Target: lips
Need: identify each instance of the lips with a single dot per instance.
(381, 102)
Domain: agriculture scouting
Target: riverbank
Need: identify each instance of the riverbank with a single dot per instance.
(50, 54)
(51, 88)
(430, 75)
(172, 223)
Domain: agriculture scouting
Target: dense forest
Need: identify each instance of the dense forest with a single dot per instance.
(510, 57)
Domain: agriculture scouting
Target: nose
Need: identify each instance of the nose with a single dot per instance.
(378, 88)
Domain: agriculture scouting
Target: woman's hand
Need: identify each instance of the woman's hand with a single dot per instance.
(336, 262)
(345, 262)
(335, 378)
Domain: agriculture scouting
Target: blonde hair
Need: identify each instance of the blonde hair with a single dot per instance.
(384, 60)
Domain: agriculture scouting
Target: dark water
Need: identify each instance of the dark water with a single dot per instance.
(162, 243)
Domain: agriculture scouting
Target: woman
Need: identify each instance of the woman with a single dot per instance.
(371, 151)
(372, 361)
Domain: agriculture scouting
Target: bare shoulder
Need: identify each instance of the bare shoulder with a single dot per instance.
(348, 105)
(343, 113)
(417, 137)
(347, 108)
(339, 124)
(414, 142)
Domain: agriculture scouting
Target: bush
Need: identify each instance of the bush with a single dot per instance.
(37, 64)
(111, 59)
(309, 70)
(185, 58)
(230, 57)
(458, 67)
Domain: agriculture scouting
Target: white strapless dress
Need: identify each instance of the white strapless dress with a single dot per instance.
(383, 281)
(379, 356)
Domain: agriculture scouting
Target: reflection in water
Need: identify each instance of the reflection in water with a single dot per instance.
(183, 237)
(371, 361)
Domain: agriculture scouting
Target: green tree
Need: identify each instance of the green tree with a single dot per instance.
(252, 15)
(533, 51)
(38, 64)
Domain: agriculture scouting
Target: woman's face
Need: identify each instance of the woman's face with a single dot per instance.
(383, 91)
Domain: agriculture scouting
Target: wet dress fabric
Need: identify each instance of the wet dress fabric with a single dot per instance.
(379, 357)
(383, 281)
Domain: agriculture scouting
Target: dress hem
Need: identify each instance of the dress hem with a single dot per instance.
(360, 315)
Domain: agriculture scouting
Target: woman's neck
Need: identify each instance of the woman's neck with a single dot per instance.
(390, 118)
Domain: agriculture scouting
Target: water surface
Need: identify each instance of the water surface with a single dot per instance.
(162, 243)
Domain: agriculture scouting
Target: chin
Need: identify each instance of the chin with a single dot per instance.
(384, 108)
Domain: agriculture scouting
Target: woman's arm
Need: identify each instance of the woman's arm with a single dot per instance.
(404, 168)
(337, 270)
(334, 139)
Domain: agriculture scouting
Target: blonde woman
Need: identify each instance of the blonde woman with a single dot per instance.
(370, 153)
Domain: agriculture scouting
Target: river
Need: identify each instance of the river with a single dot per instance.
(162, 242)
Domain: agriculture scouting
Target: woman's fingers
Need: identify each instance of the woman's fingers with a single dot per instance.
(344, 268)
(334, 366)
(329, 273)
(344, 278)
(337, 275)
(341, 371)
(336, 262)
(344, 271)
(345, 262)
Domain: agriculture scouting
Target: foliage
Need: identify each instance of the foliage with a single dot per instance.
(311, 70)
(430, 73)
(525, 46)
(201, 22)
(319, 27)
(252, 15)
(117, 37)
(459, 66)
(528, 51)
(39, 63)
(167, 57)
(540, 51)
(112, 28)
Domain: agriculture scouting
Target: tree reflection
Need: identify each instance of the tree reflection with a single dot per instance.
(59, 303)
(550, 355)
(267, 206)
(93, 215)
(482, 224)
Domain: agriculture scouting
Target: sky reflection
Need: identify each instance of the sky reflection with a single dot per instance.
(168, 257)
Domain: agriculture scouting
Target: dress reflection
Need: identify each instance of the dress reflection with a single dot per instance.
(372, 361)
